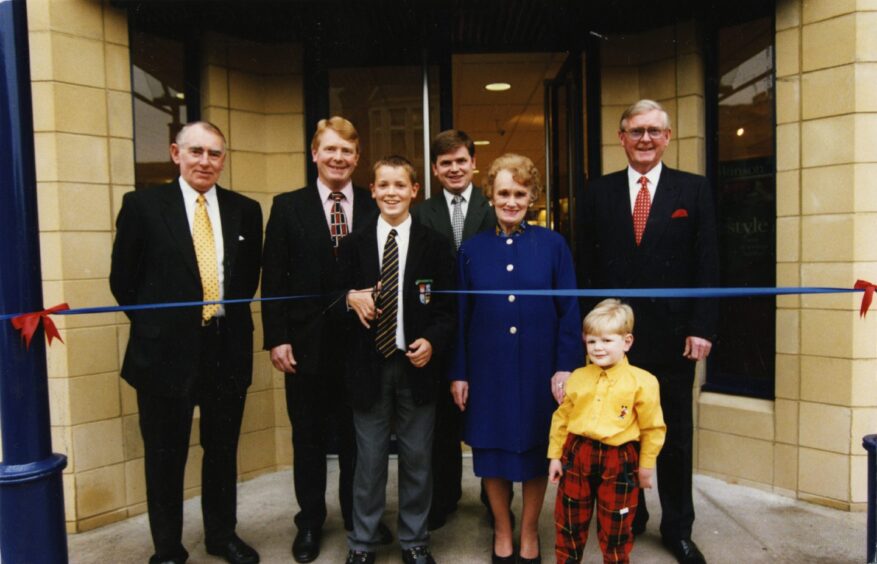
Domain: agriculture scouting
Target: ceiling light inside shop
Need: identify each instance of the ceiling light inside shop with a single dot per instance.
(497, 86)
(481, 142)
(740, 132)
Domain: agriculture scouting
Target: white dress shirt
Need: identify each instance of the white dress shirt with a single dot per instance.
(634, 185)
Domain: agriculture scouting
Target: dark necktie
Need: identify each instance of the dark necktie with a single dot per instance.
(337, 219)
(641, 209)
(386, 336)
(457, 219)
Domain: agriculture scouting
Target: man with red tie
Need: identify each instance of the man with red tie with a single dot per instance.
(650, 226)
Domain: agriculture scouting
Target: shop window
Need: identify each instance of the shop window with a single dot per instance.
(158, 82)
(743, 170)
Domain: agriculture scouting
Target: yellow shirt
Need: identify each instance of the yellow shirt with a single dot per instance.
(613, 406)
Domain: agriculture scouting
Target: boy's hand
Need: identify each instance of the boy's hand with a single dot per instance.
(419, 352)
(555, 471)
(460, 391)
(645, 477)
(362, 303)
(558, 381)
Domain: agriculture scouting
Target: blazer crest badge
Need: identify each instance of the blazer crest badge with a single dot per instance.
(424, 287)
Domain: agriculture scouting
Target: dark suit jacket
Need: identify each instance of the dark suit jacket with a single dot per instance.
(434, 213)
(430, 257)
(154, 262)
(679, 249)
(299, 260)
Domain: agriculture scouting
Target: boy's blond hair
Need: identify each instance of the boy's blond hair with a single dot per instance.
(395, 161)
(610, 316)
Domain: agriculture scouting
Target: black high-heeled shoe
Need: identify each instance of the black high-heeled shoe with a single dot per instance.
(537, 559)
(496, 559)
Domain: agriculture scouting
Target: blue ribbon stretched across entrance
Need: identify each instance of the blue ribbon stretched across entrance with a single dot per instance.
(650, 293)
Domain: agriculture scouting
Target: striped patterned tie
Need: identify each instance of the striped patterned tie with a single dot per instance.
(389, 298)
(205, 252)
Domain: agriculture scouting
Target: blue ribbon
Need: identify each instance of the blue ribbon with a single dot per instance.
(579, 293)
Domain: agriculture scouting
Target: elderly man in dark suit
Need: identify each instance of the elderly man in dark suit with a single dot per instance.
(301, 243)
(651, 226)
(458, 211)
(190, 240)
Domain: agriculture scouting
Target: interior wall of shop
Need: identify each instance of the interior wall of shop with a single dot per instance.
(806, 443)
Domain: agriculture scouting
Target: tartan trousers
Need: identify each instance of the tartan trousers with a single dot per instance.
(595, 472)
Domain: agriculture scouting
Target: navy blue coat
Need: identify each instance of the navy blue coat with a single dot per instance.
(510, 346)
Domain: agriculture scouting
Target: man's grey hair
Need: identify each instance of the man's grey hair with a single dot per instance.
(641, 107)
(203, 124)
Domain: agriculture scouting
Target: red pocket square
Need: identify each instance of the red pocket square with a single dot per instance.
(681, 212)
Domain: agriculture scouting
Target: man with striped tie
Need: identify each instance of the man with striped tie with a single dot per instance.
(394, 266)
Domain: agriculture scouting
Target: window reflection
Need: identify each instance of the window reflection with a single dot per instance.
(386, 106)
(158, 83)
(743, 361)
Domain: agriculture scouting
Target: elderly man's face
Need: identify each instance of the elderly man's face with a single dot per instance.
(200, 154)
(645, 139)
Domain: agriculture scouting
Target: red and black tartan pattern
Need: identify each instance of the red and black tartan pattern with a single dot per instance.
(337, 220)
(589, 468)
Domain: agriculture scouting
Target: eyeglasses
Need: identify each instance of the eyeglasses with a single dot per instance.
(637, 133)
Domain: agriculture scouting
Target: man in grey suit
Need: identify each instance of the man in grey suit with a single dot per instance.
(458, 211)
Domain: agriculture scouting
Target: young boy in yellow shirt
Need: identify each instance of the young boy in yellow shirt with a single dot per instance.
(605, 438)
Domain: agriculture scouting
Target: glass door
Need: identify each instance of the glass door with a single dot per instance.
(564, 146)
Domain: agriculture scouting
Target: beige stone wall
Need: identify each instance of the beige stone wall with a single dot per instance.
(666, 65)
(253, 92)
(83, 133)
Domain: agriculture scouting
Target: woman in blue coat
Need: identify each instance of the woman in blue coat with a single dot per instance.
(514, 352)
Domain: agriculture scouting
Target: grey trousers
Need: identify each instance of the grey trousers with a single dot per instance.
(414, 431)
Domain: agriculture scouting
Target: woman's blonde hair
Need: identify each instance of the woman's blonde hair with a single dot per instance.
(524, 172)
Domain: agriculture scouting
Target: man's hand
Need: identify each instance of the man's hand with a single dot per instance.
(419, 352)
(645, 477)
(460, 391)
(558, 381)
(363, 304)
(555, 471)
(696, 348)
(282, 359)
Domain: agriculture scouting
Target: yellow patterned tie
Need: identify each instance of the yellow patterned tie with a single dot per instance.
(205, 250)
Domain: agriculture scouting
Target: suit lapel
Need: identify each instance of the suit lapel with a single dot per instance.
(438, 208)
(666, 194)
(174, 214)
(619, 196)
(230, 216)
(412, 261)
(313, 217)
(361, 209)
(478, 208)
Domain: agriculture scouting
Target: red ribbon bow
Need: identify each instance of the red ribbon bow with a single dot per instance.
(27, 323)
(869, 295)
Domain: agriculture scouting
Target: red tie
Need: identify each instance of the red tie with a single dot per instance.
(641, 210)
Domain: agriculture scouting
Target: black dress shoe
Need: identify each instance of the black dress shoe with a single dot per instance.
(359, 557)
(417, 555)
(685, 551)
(306, 546)
(385, 536)
(234, 550)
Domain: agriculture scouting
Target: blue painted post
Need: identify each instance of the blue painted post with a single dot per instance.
(31, 491)
(870, 444)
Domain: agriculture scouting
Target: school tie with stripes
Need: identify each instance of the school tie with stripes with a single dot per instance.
(389, 298)
(205, 252)
(641, 209)
(337, 219)
(457, 219)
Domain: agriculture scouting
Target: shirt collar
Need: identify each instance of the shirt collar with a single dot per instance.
(325, 191)
(449, 196)
(192, 195)
(653, 175)
(402, 229)
(617, 369)
(521, 228)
